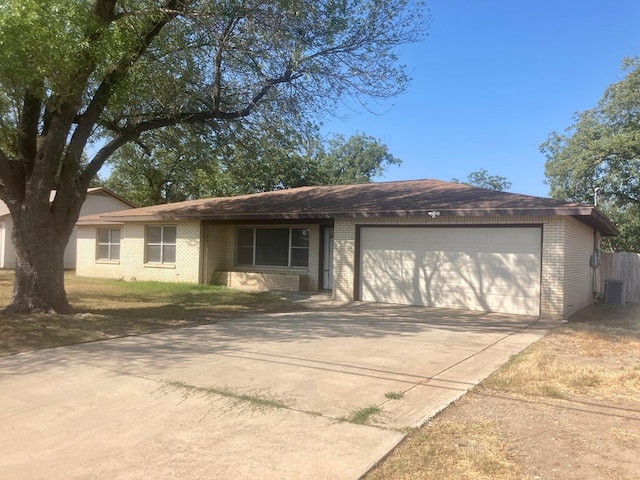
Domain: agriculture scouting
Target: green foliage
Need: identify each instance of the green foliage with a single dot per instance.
(394, 395)
(482, 179)
(76, 74)
(357, 159)
(601, 150)
(173, 166)
(125, 67)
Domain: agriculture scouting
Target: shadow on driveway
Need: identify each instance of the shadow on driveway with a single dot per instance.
(320, 365)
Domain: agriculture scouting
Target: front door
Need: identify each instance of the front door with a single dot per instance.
(327, 267)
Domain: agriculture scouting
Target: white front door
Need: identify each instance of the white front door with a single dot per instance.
(327, 269)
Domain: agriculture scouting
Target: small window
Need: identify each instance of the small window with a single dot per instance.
(299, 247)
(272, 247)
(108, 244)
(161, 244)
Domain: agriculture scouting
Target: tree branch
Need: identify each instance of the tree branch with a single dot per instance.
(28, 127)
(217, 79)
(87, 121)
(94, 166)
(199, 117)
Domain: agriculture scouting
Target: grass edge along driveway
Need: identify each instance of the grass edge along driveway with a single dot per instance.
(114, 308)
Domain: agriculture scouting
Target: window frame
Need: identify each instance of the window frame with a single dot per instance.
(254, 247)
(109, 244)
(162, 244)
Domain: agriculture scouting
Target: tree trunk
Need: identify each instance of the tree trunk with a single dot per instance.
(39, 279)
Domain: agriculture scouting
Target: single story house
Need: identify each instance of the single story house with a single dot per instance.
(418, 242)
(98, 200)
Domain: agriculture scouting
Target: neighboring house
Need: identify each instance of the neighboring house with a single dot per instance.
(98, 200)
(422, 242)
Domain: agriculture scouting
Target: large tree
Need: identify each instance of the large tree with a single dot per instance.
(598, 157)
(81, 73)
(173, 166)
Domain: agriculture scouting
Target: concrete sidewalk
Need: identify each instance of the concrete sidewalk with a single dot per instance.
(259, 397)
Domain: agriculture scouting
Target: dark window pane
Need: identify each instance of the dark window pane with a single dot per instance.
(154, 234)
(245, 237)
(115, 252)
(153, 253)
(245, 256)
(103, 235)
(103, 252)
(169, 235)
(272, 247)
(169, 254)
(115, 236)
(299, 237)
(299, 257)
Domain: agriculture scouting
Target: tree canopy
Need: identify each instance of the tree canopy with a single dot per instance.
(482, 179)
(601, 150)
(169, 167)
(102, 73)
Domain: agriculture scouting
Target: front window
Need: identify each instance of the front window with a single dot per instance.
(161, 244)
(108, 244)
(272, 247)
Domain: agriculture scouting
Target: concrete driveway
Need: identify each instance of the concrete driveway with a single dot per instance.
(261, 397)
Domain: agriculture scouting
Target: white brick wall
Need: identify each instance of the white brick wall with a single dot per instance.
(132, 264)
(552, 281)
(565, 282)
(194, 264)
(86, 263)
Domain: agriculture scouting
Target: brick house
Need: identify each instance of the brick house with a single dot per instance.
(419, 242)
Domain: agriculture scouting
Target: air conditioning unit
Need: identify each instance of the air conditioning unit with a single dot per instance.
(614, 292)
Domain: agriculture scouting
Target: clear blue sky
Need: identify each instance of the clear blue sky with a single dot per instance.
(493, 79)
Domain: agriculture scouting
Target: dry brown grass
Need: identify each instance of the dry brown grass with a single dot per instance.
(542, 371)
(563, 363)
(468, 450)
(595, 356)
(110, 308)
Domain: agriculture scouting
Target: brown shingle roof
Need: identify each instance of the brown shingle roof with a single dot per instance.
(405, 198)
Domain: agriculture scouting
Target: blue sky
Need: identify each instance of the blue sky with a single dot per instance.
(493, 79)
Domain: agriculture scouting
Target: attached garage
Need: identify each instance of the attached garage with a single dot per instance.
(415, 242)
(480, 268)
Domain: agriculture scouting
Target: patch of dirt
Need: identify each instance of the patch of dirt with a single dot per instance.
(593, 434)
(579, 438)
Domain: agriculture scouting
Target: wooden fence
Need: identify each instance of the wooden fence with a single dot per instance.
(622, 266)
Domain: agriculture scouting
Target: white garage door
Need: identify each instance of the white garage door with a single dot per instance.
(494, 269)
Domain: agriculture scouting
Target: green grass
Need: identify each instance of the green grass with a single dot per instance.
(394, 395)
(112, 308)
(257, 401)
(361, 416)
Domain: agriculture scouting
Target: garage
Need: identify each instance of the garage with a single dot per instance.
(494, 269)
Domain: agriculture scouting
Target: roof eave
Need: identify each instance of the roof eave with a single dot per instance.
(584, 213)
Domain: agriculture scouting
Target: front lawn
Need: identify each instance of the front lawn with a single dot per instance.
(113, 308)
